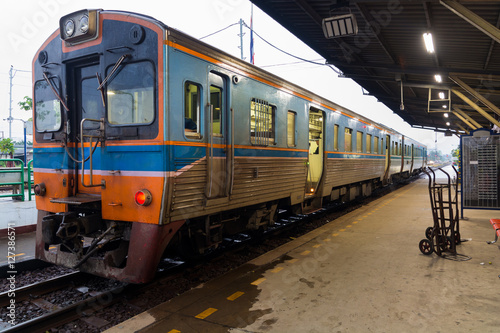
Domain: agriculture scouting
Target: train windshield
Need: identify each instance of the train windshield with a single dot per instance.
(47, 107)
(131, 97)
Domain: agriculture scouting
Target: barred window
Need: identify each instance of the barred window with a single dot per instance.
(347, 139)
(359, 142)
(291, 128)
(368, 143)
(336, 137)
(261, 122)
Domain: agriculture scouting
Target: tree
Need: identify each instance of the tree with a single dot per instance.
(7, 146)
(26, 104)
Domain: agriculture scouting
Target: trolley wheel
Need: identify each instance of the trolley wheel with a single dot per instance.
(426, 246)
(444, 242)
(428, 232)
(457, 238)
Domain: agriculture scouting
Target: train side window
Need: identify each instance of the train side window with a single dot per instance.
(376, 145)
(291, 128)
(131, 95)
(369, 143)
(336, 137)
(47, 106)
(192, 95)
(261, 122)
(359, 142)
(347, 139)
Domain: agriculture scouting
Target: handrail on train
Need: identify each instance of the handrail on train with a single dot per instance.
(30, 180)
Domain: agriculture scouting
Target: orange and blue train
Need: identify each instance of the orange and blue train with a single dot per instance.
(148, 142)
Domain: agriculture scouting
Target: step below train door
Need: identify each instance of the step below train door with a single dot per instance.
(217, 150)
(315, 161)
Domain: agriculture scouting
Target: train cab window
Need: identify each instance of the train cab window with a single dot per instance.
(376, 145)
(47, 106)
(291, 128)
(347, 139)
(131, 95)
(261, 122)
(192, 97)
(336, 137)
(369, 143)
(359, 142)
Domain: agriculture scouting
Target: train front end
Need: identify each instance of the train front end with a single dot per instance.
(99, 158)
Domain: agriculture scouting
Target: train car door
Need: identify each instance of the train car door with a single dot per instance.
(90, 110)
(387, 158)
(217, 168)
(316, 151)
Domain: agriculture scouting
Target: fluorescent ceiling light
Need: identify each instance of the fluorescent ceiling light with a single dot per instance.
(446, 115)
(429, 44)
(447, 123)
(438, 78)
(441, 95)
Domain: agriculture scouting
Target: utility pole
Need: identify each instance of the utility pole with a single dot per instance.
(12, 73)
(241, 38)
(11, 76)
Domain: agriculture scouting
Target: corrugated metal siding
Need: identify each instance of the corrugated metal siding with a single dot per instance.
(346, 171)
(274, 179)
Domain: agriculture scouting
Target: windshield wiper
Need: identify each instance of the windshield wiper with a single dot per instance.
(55, 91)
(115, 67)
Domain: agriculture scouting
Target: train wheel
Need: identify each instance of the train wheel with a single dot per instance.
(428, 232)
(426, 247)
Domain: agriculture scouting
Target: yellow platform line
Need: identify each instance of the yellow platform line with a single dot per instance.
(235, 295)
(205, 313)
(305, 253)
(258, 281)
(16, 255)
(277, 270)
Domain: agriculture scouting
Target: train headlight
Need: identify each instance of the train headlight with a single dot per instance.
(40, 189)
(143, 198)
(69, 28)
(79, 27)
(84, 24)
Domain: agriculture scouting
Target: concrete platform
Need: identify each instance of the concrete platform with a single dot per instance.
(362, 272)
(21, 215)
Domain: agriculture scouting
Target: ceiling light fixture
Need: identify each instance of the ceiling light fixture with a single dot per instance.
(429, 44)
(438, 78)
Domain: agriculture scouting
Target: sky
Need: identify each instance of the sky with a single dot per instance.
(26, 24)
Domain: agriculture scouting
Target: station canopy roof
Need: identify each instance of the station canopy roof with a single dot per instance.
(389, 58)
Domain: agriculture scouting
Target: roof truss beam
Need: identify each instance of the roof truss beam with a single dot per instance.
(476, 107)
(474, 19)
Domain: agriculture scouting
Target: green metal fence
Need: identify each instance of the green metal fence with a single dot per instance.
(13, 176)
